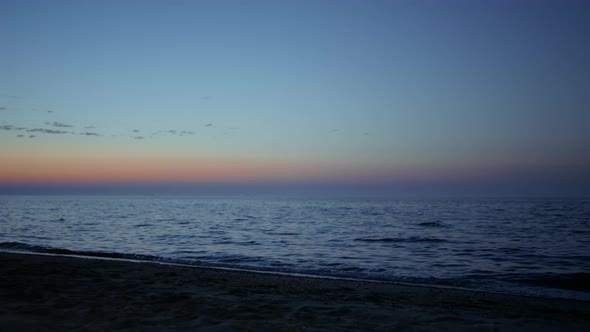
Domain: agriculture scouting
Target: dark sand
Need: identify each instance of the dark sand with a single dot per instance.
(49, 293)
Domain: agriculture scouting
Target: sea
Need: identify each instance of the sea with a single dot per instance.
(534, 247)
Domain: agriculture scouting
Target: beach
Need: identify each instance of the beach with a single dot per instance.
(56, 293)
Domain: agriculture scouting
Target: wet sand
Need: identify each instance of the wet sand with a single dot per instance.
(51, 293)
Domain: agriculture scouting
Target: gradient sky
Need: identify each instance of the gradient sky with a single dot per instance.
(405, 93)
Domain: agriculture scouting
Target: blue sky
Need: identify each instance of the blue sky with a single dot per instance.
(484, 88)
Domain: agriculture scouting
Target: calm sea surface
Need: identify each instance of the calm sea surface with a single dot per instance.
(527, 246)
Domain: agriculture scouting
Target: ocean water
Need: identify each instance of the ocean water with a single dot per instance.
(526, 246)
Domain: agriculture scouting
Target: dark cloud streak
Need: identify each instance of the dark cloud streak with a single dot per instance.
(47, 131)
(58, 124)
(8, 127)
(90, 134)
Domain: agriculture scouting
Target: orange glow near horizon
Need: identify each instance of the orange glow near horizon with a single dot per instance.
(126, 169)
(100, 166)
(79, 166)
(153, 171)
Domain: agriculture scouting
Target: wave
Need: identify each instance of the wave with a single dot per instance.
(409, 239)
(283, 233)
(577, 282)
(23, 247)
(432, 224)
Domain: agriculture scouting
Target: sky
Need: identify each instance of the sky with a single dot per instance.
(486, 97)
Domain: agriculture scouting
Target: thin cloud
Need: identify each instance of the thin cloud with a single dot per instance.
(49, 111)
(58, 124)
(57, 131)
(3, 108)
(11, 127)
(171, 132)
(23, 136)
(47, 131)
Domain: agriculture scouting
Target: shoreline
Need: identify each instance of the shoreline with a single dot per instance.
(115, 257)
(548, 293)
(64, 293)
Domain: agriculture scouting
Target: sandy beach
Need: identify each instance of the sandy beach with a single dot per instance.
(51, 293)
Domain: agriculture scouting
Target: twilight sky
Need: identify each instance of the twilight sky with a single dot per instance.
(488, 96)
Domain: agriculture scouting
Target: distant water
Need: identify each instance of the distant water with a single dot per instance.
(534, 247)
